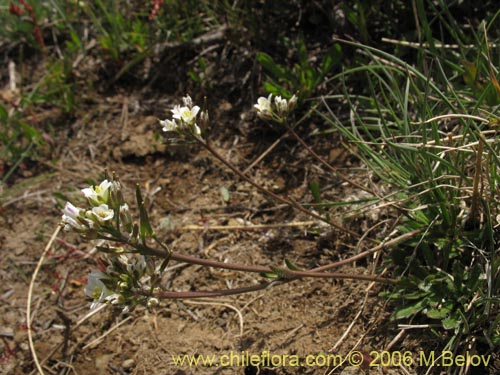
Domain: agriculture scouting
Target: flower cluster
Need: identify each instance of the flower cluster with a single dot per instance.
(184, 119)
(127, 281)
(277, 109)
(104, 200)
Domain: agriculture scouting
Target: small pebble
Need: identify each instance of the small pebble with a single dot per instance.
(128, 364)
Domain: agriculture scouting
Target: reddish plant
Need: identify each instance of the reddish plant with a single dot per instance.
(156, 8)
(18, 11)
(14, 9)
(7, 352)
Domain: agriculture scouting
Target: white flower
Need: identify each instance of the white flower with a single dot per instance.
(96, 289)
(125, 217)
(72, 218)
(70, 215)
(101, 213)
(169, 125)
(185, 114)
(71, 211)
(98, 194)
(115, 194)
(276, 110)
(281, 105)
(184, 119)
(204, 118)
(263, 106)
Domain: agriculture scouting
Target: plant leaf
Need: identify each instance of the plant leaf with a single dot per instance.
(408, 311)
(145, 229)
(291, 265)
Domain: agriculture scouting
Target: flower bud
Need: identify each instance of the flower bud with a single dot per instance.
(153, 302)
(125, 217)
(292, 103)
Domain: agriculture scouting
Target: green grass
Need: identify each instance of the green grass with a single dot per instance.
(430, 139)
(427, 131)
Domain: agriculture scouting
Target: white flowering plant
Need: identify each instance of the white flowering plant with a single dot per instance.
(185, 119)
(276, 109)
(128, 278)
(131, 274)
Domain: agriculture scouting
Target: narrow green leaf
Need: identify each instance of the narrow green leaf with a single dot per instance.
(30, 132)
(408, 311)
(145, 229)
(272, 68)
(440, 313)
(315, 191)
(4, 115)
(332, 58)
(292, 266)
(470, 72)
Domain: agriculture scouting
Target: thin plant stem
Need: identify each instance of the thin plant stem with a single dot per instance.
(270, 148)
(364, 254)
(294, 275)
(287, 273)
(292, 131)
(217, 293)
(284, 200)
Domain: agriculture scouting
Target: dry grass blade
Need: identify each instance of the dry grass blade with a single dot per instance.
(238, 312)
(189, 228)
(100, 338)
(30, 295)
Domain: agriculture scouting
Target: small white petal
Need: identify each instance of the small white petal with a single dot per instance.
(168, 125)
(71, 211)
(101, 213)
(292, 102)
(177, 111)
(72, 218)
(263, 107)
(98, 194)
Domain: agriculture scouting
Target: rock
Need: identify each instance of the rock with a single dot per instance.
(128, 364)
